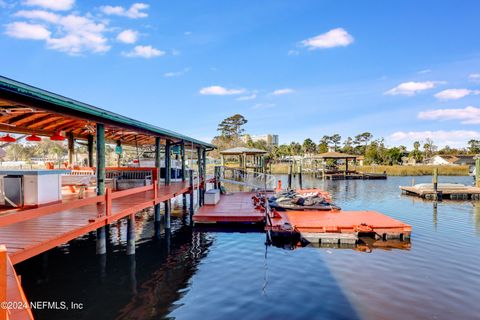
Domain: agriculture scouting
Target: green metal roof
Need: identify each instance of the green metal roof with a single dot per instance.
(12, 86)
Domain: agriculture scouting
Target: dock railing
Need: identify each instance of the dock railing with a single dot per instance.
(106, 200)
(252, 179)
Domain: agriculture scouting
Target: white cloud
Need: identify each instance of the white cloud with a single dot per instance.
(60, 5)
(176, 73)
(280, 92)
(412, 87)
(338, 37)
(474, 77)
(453, 138)
(39, 15)
(220, 91)
(453, 94)
(128, 36)
(263, 106)
(468, 115)
(293, 52)
(187, 33)
(424, 71)
(135, 11)
(245, 98)
(73, 34)
(79, 34)
(146, 52)
(23, 30)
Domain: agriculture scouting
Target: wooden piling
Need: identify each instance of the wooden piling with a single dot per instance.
(200, 175)
(71, 147)
(131, 234)
(192, 187)
(477, 172)
(290, 176)
(435, 183)
(90, 150)
(168, 176)
(300, 179)
(101, 244)
(157, 214)
(182, 156)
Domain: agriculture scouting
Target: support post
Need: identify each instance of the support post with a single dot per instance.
(168, 163)
(204, 173)
(184, 174)
(477, 172)
(300, 178)
(182, 152)
(90, 150)
(101, 234)
(192, 209)
(200, 176)
(168, 175)
(131, 234)
(157, 217)
(119, 153)
(290, 176)
(71, 147)
(435, 183)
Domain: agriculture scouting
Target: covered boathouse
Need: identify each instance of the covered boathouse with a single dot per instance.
(35, 224)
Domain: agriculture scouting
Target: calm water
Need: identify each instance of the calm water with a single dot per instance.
(195, 274)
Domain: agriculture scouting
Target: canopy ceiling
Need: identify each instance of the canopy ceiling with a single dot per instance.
(27, 109)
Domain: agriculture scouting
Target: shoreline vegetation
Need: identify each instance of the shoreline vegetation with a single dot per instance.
(393, 170)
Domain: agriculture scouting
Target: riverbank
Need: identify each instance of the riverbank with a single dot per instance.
(421, 170)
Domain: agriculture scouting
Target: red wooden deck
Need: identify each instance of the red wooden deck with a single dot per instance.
(30, 232)
(233, 208)
(340, 222)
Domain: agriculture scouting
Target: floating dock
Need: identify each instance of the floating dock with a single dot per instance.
(452, 193)
(331, 228)
(355, 176)
(339, 227)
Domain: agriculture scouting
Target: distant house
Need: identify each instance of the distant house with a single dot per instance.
(462, 160)
(408, 161)
(360, 160)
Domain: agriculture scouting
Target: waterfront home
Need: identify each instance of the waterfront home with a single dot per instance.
(462, 160)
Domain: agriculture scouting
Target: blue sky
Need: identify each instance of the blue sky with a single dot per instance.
(403, 70)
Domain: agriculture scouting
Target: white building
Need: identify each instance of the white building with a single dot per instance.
(451, 160)
(270, 139)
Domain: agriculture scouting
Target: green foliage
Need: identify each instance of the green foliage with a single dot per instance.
(474, 146)
(231, 127)
(309, 146)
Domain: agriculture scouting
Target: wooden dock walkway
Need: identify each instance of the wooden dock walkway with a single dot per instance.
(30, 232)
(232, 208)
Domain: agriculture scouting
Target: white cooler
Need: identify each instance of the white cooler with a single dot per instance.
(212, 196)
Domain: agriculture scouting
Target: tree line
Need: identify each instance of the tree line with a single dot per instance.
(374, 150)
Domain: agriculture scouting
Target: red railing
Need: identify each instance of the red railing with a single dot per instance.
(107, 198)
(3, 281)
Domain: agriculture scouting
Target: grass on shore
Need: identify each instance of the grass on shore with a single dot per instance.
(420, 170)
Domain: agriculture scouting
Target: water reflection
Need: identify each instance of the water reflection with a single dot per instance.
(192, 273)
(144, 285)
